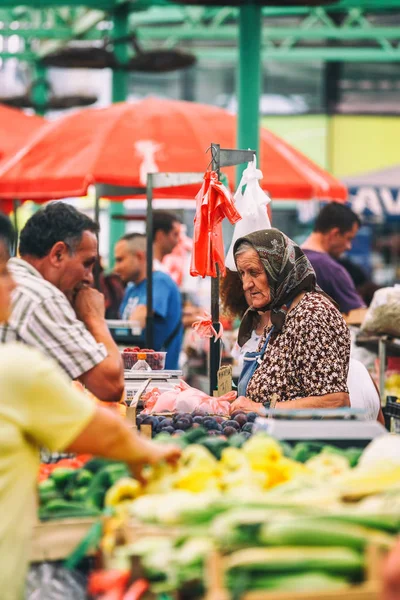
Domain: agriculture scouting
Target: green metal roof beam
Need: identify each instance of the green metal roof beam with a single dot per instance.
(228, 32)
(306, 54)
(279, 55)
(49, 33)
(84, 24)
(42, 4)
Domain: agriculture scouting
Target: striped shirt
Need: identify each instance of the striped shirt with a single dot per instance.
(42, 317)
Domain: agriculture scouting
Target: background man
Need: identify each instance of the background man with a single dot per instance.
(166, 232)
(130, 265)
(335, 228)
(54, 307)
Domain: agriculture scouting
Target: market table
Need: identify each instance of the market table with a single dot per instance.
(55, 540)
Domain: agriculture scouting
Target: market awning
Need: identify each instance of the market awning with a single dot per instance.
(376, 194)
(120, 144)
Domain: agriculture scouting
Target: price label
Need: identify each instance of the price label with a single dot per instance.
(146, 430)
(131, 416)
(224, 379)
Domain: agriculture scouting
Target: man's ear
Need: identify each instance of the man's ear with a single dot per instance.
(158, 236)
(334, 232)
(58, 253)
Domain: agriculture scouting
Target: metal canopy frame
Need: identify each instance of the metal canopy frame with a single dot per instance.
(158, 181)
(295, 34)
(154, 181)
(221, 157)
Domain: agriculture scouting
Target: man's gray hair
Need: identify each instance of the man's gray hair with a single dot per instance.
(135, 241)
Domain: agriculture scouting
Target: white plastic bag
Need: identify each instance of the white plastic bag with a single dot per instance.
(383, 315)
(252, 206)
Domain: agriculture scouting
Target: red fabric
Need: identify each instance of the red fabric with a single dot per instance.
(107, 145)
(213, 203)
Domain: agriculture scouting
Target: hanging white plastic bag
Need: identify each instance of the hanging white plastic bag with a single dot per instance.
(383, 315)
(252, 206)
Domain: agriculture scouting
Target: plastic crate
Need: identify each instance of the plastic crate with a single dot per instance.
(155, 360)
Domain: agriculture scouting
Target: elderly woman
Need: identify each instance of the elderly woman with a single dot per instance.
(235, 303)
(303, 356)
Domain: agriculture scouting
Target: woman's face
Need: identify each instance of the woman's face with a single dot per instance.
(254, 279)
(7, 285)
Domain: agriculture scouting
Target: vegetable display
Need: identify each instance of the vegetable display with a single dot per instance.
(79, 492)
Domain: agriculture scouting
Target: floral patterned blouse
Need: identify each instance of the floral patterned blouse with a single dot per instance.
(309, 357)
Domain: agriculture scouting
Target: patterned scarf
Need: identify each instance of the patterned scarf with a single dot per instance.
(289, 273)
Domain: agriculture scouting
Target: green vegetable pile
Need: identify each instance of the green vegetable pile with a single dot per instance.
(301, 452)
(78, 492)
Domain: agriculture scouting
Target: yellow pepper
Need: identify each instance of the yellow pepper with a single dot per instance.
(125, 489)
(260, 451)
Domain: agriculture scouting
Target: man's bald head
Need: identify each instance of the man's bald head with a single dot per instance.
(135, 242)
(130, 257)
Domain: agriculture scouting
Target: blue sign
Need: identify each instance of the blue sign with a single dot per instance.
(379, 204)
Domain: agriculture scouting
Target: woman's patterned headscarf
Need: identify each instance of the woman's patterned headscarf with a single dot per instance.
(288, 270)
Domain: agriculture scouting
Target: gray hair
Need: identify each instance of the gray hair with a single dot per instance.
(244, 247)
(135, 241)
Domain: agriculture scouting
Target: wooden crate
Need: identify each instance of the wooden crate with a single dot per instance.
(55, 540)
(369, 590)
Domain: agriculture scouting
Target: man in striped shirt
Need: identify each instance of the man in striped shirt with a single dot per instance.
(54, 307)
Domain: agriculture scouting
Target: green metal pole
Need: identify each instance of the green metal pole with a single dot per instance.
(119, 94)
(249, 81)
(40, 90)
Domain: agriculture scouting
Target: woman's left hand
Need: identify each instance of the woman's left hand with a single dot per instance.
(246, 405)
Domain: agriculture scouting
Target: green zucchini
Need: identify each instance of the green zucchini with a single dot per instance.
(97, 464)
(340, 561)
(317, 531)
(62, 476)
(83, 477)
(312, 581)
(79, 494)
(195, 434)
(61, 509)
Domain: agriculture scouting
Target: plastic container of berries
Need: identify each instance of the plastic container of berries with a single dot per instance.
(156, 360)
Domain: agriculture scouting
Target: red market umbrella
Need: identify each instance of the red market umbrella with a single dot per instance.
(16, 128)
(120, 144)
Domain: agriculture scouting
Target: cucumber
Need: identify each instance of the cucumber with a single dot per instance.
(61, 509)
(340, 561)
(312, 581)
(63, 476)
(79, 494)
(84, 512)
(310, 531)
(83, 477)
(96, 464)
(193, 435)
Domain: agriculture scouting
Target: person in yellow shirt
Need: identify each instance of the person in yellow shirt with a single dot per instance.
(38, 408)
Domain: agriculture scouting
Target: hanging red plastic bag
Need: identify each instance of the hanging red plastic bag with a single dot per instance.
(214, 202)
(252, 206)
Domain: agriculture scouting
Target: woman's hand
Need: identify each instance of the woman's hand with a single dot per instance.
(155, 454)
(246, 405)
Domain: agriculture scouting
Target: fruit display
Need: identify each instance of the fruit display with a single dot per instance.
(155, 360)
(213, 425)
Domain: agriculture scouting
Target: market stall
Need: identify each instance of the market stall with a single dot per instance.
(255, 518)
